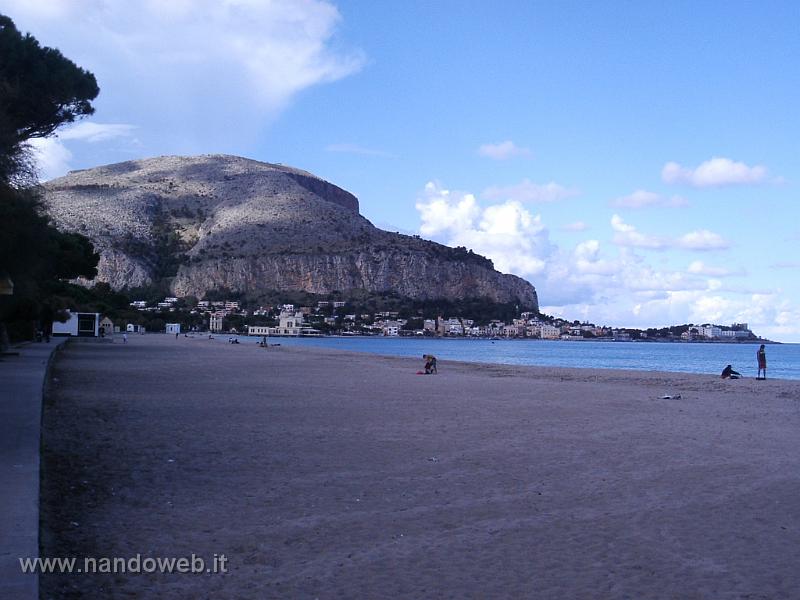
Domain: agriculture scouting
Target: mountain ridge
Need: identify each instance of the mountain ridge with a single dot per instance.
(208, 222)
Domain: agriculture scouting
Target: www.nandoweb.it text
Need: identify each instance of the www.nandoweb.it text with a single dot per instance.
(135, 564)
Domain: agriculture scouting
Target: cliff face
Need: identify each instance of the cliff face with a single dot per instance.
(212, 222)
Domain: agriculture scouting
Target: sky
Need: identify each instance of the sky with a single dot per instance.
(636, 161)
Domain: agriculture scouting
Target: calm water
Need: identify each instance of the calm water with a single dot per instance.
(783, 360)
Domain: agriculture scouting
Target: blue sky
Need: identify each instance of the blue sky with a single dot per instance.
(636, 161)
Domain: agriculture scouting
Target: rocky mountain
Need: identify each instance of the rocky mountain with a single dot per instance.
(204, 223)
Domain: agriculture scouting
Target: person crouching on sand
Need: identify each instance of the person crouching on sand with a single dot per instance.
(430, 364)
(761, 356)
(729, 373)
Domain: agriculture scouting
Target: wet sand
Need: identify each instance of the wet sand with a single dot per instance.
(323, 474)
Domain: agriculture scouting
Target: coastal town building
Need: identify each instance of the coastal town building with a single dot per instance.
(260, 330)
(549, 332)
(391, 328)
(215, 322)
(326, 316)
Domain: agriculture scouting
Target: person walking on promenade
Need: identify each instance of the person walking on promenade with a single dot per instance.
(761, 356)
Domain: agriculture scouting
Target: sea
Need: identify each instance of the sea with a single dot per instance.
(783, 360)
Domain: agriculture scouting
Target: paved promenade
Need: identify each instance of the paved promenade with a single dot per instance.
(21, 384)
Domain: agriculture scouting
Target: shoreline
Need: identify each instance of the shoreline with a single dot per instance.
(308, 343)
(326, 473)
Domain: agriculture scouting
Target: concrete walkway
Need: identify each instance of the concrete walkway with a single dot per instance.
(21, 385)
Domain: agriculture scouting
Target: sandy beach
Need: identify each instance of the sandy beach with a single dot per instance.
(323, 474)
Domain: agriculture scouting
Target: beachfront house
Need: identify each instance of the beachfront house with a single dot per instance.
(79, 325)
(290, 323)
(260, 330)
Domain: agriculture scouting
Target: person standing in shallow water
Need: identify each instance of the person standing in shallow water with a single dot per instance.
(761, 356)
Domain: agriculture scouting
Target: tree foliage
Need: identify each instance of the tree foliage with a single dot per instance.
(40, 90)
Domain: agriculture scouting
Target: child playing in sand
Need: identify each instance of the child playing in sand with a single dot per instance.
(430, 364)
(729, 373)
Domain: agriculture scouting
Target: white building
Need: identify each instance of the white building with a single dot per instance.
(291, 323)
(173, 328)
(79, 325)
(215, 322)
(261, 330)
(391, 328)
(549, 332)
(709, 331)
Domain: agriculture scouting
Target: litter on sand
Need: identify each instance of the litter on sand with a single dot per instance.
(675, 397)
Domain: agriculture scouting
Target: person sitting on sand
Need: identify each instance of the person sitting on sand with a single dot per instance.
(430, 364)
(761, 356)
(729, 373)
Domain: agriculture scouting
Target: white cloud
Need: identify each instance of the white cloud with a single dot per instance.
(503, 150)
(702, 239)
(608, 284)
(194, 76)
(713, 173)
(275, 49)
(90, 131)
(627, 235)
(698, 267)
(527, 191)
(699, 240)
(54, 157)
(643, 199)
(442, 213)
(507, 233)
